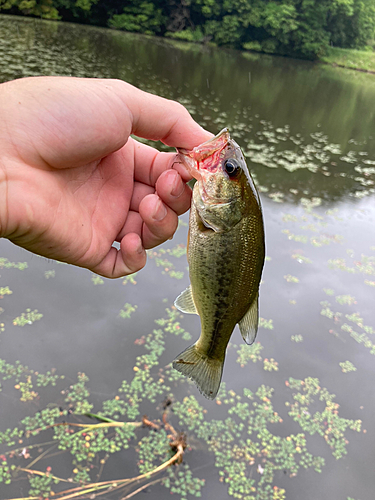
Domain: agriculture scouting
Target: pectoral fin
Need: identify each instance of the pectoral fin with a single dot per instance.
(249, 323)
(185, 302)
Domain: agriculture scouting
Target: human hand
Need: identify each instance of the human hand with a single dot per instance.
(72, 181)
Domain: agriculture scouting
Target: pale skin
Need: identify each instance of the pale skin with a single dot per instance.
(72, 181)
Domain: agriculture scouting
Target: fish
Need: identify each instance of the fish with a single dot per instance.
(225, 252)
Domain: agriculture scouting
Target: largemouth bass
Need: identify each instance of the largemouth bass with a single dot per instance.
(225, 255)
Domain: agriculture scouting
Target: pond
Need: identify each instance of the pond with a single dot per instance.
(295, 410)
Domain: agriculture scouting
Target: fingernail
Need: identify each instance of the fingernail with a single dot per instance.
(140, 249)
(178, 187)
(160, 211)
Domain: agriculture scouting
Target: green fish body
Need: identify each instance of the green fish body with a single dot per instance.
(225, 254)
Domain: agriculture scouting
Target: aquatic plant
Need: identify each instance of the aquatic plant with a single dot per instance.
(347, 366)
(243, 439)
(27, 318)
(97, 280)
(127, 310)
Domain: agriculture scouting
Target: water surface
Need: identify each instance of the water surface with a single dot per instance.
(307, 132)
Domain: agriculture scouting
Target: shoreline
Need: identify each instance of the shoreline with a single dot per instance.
(358, 60)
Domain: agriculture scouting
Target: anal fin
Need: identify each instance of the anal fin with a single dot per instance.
(249, 323)
(185, 302)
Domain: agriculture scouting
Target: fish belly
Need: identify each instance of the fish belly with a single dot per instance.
(225, 269)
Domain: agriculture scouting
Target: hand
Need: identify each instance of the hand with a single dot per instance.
(73, 181)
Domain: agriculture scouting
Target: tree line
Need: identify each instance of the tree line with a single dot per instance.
(301, 28)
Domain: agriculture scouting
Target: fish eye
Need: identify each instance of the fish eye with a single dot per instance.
(232, 167)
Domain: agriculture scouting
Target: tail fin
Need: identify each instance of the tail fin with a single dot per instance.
(206, 372)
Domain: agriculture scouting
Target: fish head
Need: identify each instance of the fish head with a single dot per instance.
(224, 184)
(219, 167)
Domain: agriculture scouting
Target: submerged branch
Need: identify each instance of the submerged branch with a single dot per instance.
(135, 492)
(93, 487)
(177, 443)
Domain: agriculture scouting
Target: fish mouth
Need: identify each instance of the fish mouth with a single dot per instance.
(192, 159)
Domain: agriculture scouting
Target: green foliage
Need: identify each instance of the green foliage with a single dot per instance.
(127, 310)
(270, 365)
(141, 16)
(168, 266)
(338, 318)
(266, 323)
(130, 279)
(6, 263)
(152, 450)
(27, 318)
(249, 353)
(97, 280)
(296, 338)
(183, 482)
(39, 8)
(41, 485)
(347, 366)
(325, 422)
(291, 279)
(289, 27)
(243, 439)
(351, 58)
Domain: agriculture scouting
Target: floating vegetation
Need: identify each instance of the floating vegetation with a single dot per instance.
(301, 259)
(289, 218)
(337, 317)
(26, 380)
(326, 240)
(127, 310)
(291, 279)
(300, 238)
(244, 440)
(5, 291)
(327, 422)
(21, 266)
(266, 323)
(346, 299)
(168, 266)
(249, 353)
(270, 364)
(96, 279)
(27, 394)
(310, 203)
(277, 197)
(296, 338)
(49, 274)
(27, 318)
(347, 366)
(130, 279)
(366, 265)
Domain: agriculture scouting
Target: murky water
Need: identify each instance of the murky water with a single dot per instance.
(307, 131)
